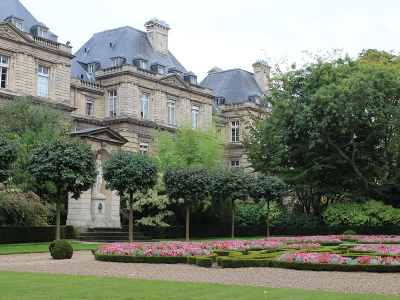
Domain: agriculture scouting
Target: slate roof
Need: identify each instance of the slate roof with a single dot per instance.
(128, 42)
(16, 9)
(235, 85)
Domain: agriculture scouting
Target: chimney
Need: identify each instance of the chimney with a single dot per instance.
(214, 70)
(261, 74)
(157, 33)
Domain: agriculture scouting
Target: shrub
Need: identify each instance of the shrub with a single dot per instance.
(349, 232)
(250, 215)
(61, 249)
(23, 209)
(290, 219)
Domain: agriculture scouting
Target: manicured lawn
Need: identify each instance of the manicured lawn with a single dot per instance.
(20, 285)
(40, 247)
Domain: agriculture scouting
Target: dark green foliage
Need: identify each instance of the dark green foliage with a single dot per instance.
(8, 154)
(349, 232)
(22, 234)
(371, 213)
(142, 259)
(129, 172)
(61, 249)
(291, 219)
(204, 261)
(67, 164)
(250, 215)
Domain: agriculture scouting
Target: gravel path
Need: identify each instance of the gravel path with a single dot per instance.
(83, 263)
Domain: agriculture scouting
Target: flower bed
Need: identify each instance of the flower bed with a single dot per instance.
(387, 239)
(380, 249)
(321, 239)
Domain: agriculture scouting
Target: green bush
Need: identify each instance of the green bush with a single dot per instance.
(291, 219)
(31, 234)
(205, 262)
(250, 215)
(142, 259)
(61, 249)
(349, 232)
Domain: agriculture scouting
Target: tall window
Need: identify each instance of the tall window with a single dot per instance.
(144, 148)
(115, 62)
(195, 116)
(143, 64)
(4, 67)
(43, 82)
(18, 24)
(215, 102)
(90, 68)
(161, 70)
(112, 103)
(171, 112)
(43, 33)
(235, 131)
(144, 113)
(89, 108)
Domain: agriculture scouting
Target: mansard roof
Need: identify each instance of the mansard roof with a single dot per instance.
(14, 8)
(235, 85)
(125, 41)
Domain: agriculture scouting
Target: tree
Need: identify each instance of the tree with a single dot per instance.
(130, 172)
(28, 124)
(68, 165)
(230, 184)
(268, 188)
(201, 147)
(7, 156)
(188, 183)
(334, 127)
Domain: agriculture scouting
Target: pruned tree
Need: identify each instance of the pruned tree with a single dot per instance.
(68, 165)
(230, 184)
(8, 155)
(268, 188)
(129, 172)
(188, 183)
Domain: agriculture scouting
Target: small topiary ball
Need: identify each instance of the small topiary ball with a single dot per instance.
(61, 249)
(350, 232)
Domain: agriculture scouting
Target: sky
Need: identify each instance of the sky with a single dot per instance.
(230, 33)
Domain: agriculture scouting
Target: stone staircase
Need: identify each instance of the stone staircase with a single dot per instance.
(111, 235)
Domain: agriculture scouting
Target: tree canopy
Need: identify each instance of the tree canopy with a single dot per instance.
(68, 164)
(130, 172)
(200, 147)
(334, 128)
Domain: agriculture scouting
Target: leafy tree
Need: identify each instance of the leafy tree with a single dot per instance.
(28, 124)
(188, 183)
(130, 172)
(68, 164)
(334, 128)
(8, 155)
(230, 184)
(200, 147)
(250, 215)
(268, 188)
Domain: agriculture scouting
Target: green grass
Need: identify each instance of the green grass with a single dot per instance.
(40, 247)
(20, 285)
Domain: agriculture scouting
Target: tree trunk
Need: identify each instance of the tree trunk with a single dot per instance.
(130, 217)
(233, 219)
(268, 218)
(187, 219)
(58, 209)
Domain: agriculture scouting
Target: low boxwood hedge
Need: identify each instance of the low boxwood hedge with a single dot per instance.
(141, 259)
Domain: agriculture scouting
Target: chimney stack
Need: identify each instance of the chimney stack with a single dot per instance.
(157, 33)
(262, 73)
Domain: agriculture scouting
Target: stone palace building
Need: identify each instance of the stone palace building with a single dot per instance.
(118, 85)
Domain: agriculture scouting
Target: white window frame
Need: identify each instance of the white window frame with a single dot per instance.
(144, 148)
(43, 81)
(234, 164)
(235, 131)
(112, 103)
(161, 70)
(89, 108)
(195, 116)
(43, 33)
(215, 102)
(4, 71)
(90, 68)
(115, 62)
(143, 64)
(144, 106)
(171, 112)
(193, 80)
(19, 24)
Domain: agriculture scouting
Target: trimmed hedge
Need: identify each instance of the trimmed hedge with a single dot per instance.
(22, 234)
(172, 232)
(141, 259)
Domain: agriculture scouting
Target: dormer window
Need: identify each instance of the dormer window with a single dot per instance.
(190, 77)
(174, 70)
(218, 101)
(43, 33)
(40, 30)
(19, 23)
(91, 68)
(156, 67)
(115, 62)
(140, 62)
(254, 97)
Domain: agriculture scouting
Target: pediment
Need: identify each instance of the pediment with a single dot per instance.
(101, 134)
(175, 80)
(9, 31)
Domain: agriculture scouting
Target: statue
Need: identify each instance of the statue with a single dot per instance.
(99, 180)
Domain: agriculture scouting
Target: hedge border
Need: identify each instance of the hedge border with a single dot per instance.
(27, 234)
